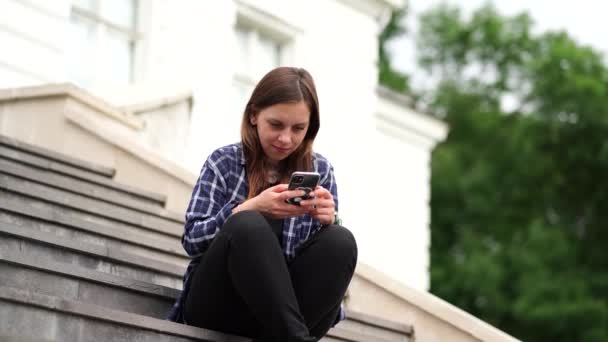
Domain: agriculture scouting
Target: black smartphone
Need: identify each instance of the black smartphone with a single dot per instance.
(301, 180)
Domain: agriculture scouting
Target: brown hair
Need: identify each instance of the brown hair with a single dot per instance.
(280, 85)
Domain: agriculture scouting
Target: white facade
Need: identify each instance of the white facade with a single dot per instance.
(219, 49)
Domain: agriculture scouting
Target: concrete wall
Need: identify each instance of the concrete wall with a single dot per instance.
(433, 319)
(402, 141)
(33, 40)
(64, 119)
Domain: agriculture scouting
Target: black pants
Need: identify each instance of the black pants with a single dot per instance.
(244, 286)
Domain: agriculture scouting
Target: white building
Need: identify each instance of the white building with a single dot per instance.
(135, 52)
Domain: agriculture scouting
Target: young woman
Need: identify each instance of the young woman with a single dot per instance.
(263, 268)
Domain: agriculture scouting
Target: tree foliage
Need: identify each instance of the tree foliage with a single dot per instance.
(387, 74)
(519, 199)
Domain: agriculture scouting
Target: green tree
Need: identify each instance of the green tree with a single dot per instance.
(387, 74)
(518, 196)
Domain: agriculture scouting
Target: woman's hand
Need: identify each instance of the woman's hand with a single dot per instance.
(322, 206)
(271, 202)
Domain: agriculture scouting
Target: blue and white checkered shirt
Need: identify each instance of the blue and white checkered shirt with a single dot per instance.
(221, 186)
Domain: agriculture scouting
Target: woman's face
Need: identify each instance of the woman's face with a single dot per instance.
(281, 128)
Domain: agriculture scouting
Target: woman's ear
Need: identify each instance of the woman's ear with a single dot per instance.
(253, 119)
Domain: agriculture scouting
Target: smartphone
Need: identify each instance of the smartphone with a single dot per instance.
(301, 180)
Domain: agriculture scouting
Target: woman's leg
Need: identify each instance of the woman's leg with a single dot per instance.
(242, 285)
(320, 273)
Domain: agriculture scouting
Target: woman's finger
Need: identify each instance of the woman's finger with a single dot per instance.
(291, 193)
(325, 219)
(322, 193)
(324, 216)
(278, 188)
(324, 203)
(318, 203)
(323, 211)
(309, 204)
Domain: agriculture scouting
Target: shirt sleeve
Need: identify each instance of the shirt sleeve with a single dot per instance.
(209, 208)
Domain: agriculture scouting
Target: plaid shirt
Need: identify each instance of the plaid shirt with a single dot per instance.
(221, 186)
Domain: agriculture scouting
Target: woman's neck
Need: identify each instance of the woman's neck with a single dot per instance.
(273, 171)
(274, 164)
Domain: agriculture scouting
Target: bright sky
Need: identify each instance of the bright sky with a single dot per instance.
(585, 20)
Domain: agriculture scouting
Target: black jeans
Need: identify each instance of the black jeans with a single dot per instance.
(244, 286)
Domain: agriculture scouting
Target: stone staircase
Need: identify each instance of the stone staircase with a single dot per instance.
(84, 258)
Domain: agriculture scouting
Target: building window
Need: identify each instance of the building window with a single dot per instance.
(103, 37)
(263, 42)
(258, 53)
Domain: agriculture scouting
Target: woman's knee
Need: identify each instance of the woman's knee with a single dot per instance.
(243, 218)
(340, 240)
(246, 225)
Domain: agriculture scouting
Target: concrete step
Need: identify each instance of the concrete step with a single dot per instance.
(340, 334)
(39, 212)
(56, 157)
(29, 244)
(113, 292)
(33, 315)
(12, 338)
(140, 301)
(37, 316)
(40, 161)
(50, 277)
(138, 243)
(92, 207)
(360, 323)
(85, 188)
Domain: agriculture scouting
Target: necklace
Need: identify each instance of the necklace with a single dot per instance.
(272, 176)
(272, 173)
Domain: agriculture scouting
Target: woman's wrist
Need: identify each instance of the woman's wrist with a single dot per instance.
(247, 205)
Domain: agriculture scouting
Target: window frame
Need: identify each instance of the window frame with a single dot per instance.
(259, 23)
(101, 25)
